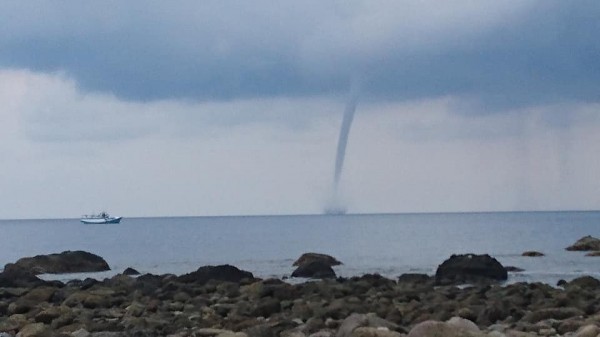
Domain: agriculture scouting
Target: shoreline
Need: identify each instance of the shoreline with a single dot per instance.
(229, 302)
(467, 297)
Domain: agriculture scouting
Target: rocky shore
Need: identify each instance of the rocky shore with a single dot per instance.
(224, 301)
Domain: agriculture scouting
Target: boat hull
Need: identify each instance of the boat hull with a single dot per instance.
(100, 220)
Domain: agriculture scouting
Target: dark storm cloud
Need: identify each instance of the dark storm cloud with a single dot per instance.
(549, 56)
(547, 53)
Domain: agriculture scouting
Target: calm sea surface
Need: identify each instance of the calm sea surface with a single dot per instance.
(389, 244)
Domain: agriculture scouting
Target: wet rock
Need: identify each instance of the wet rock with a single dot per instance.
(261, 330)
(15, 277)
(88, 300)
(315, 269)
(219, 273)
(470, 268)
(374, 281)
(495, 333)
(414, 278)
(135, 309)
(569, 325)
(266, 307)
(322, 333)
(3, 308)
(515, 333)
(586, 243)
(65, 262)
(434, 328)
(366, 331)
(552, 313)
(21, 306)
(295, 332)
(108, 334)
(148, 284)
(467, 313)
(130, 271)
(464, 324)
(590, 330)
(47, 315)
(311, 257)
(313, 324)
(88, 283)
(40, 294)
(513, 269)
(228, 333)
(373, 326)
(12, 292)
(593, 253)
(66, 317)
(270, 287)
(12, 323)
(350, 323)
(584, 282)
(80, 333)
(33, 330)
(494, 312)
(532, 253)
(209, 332)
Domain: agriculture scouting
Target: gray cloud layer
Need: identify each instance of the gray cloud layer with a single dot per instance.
(502, 54)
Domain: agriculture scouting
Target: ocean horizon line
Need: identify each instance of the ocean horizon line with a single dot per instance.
(322, 214)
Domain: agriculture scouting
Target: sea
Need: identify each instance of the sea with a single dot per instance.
(387, 244)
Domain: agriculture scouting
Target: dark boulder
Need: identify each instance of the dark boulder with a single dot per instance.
(87, 283)
(65, 262)
(218, 273)
(14, 276)
(314, 269)
(470, 268)
(586, 243)
(374, 280)
(532, 253)
(584, 282)
(311, 257)
(513, 269)
(414, 278)
(130, 271)
(148, 283)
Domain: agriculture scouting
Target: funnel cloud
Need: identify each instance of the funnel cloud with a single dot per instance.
(336, 204)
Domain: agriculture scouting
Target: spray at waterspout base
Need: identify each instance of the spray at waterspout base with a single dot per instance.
(335, 207)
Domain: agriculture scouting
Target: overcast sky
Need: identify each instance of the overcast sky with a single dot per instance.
(154, 108)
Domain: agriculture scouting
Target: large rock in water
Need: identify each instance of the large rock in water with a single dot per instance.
(15, 277)
(469, 268)
(586, 243)
(311, 257)
(219, 273)
(314, 269)
(66, 262)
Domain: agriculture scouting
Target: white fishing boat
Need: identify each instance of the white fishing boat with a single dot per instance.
(100, 218)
